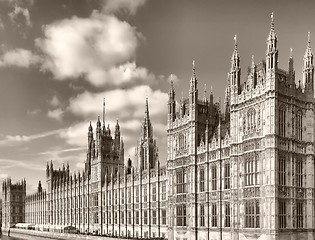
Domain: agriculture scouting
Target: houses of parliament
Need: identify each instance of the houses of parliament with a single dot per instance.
(245, 172)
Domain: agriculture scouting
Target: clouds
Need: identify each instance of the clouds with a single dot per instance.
(88, 47)
(19, 57)
(10, 140)
(125, 103)
(127, 6)
(19, 12)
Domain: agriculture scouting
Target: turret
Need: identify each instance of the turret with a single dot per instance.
(253, 74)
(171, 102)
(193, 90)
(39, 187)
(117, 137)
(272, 50)
(235, 71)
(291, 77)
(129, 166)
(47, 170)
(308, 67)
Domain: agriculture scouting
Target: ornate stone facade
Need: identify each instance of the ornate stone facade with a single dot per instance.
(243, 173)
(246, 173)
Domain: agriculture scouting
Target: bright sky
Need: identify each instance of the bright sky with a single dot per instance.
(58, 59)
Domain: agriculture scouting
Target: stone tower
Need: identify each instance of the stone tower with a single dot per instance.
(146, 151)
(13, 203)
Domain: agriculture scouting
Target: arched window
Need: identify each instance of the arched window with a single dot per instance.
(282, 120)
(181, 141)
(299, 125)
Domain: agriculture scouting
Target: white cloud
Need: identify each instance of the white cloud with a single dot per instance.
(128, 6)
(92, 48)
(56, 114)
(126, 103)
(10, 140)
(20, 11)
(19, 57)
(76, 134)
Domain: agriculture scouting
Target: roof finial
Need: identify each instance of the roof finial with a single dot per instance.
(272, 23)
(253, 61)
(235, 41)
(146, 108)
(308, 38)
(291, 55)
(205, 93)
(103, 111)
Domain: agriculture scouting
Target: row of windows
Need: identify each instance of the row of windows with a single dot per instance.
(298, 172)
(118, 217)
(297, 126)
(283, 214)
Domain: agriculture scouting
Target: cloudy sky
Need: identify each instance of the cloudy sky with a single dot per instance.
(60, 58)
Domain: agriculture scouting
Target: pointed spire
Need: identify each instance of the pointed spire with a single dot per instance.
(235, 42)
(98, 124)
(90, 127)
(205, 94)
(146, 108)
(291, 53)
(253, 62)
(235, 54)
(108, 129)
(103, 111)
(193, 80)
(193, 68)
(272, 33)
(308, 52)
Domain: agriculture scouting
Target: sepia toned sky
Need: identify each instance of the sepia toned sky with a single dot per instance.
(60, 58)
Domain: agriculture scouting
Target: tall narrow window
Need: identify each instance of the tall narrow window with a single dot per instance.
(252, 214)
(129, 217)
(214, 215)
(153, 187)
(299, 214)
(181, 215)
(145, 194)
(282, 214)
(250, 170)
(129, 195)
(202, 215)
(299, 173)
(145, 217)
(299, 125)
(137, 194)
(122, 217)
(122, 196)
(153, 216)
(227, 215)
(282, 178)
(163, 215)
(227, 173)
(137, 217)
(180, 181)
(281, 123)
(163, 190)
(202, 180)
(214, 177)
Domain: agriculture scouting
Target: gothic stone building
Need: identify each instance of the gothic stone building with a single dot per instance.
(106, 197)
(13, 202)
(244, 173)
(247, 173)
